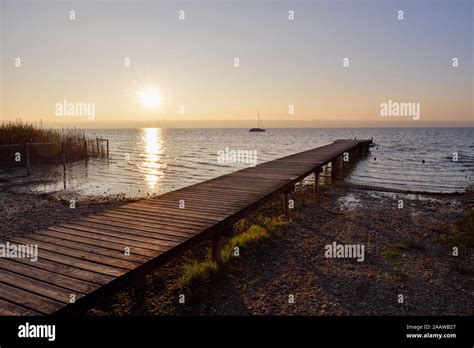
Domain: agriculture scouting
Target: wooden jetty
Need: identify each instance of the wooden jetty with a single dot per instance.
(83, 260)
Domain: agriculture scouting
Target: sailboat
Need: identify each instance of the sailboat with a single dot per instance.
(260, 127)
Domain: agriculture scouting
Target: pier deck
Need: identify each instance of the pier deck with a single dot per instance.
(83, 260)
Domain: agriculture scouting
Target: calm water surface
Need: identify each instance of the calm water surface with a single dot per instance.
(154, 160)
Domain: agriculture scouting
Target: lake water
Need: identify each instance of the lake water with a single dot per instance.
(154, 160)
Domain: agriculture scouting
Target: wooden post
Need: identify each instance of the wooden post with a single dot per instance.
(27, 159)
(85, 150)
(228, 230)
(286, 209)
(63, 150)
(107, 148)
(97, 141)
(217, 248)
(316, 180)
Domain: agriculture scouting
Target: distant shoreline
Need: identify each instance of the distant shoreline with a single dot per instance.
(244, 127)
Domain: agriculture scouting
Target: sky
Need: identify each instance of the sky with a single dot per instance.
(290, 70)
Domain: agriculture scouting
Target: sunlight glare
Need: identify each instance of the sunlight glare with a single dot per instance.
(149, 98)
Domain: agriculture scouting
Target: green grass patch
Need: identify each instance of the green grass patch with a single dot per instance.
(392, 256)
(197, 274)
(396, 249)
(241, 226)
(393, 252)
(254, 235)
(274, 225)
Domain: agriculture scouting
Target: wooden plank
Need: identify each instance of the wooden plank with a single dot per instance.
(106, 236)
(67, 270)
(59, 233)
(211, 211)
(215, 198)
(119, 254)
(212, 199)
(117, 222)
(83, 264)
(213, 208)
(40, 304)
(156, 231)
(106, 233)
(170, 212)
(38, 287)
(10, 309)
(214, 195)
(165, 222)
(237, 185)
(137, 232)
(47, 276)
(191, 209)
(83, 255)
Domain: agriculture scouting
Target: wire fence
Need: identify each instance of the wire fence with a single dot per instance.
(31, 154)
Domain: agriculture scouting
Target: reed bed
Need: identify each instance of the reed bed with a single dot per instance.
(19, 132)
(22, 142)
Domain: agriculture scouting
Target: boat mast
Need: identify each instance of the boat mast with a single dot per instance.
(259, 123)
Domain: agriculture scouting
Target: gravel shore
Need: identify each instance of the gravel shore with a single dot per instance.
(23, 213)
(408, 252)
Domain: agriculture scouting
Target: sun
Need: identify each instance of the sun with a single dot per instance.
(149, 97)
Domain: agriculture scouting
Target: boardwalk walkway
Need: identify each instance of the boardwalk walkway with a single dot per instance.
(83, 260)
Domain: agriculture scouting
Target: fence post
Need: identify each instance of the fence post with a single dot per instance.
(97, 141)
(316, 180)
(63, 148)
(333, 168)
(27, 159)
(107, 148)
(85, 149)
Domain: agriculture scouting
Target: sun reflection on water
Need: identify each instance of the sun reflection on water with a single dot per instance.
(152, 139)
